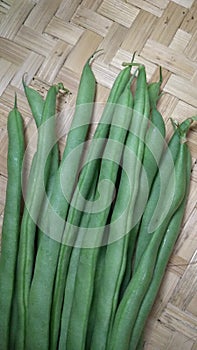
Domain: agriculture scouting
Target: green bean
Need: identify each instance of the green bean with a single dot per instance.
(154, 145)
(31, 211)
(77, 135)
(45, 267)
(41, 335)
(166, 166)
(70, 285)
(36, 103)
(165, 251)
(115, 253)
(97, 148)
(130, 304)
(96, 288)
(101, 132)
(87, 175)
(11, 222)
(107, 169)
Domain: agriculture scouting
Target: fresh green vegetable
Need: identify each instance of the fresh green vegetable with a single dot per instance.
(33, 200)
(129, 306)
(115, 253)
(165, 251)
(88, 257)
(83, 259)
(11, 223)
(154, 145)
(39, 334)
(87, 175)
(36, 103)
(158, 191)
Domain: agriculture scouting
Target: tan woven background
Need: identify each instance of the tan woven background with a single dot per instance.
(51, 40)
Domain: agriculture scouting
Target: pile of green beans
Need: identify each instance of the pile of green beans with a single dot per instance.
(81, 271)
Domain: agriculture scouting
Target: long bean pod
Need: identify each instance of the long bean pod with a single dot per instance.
(130, 304)
(154, 145)
(36, 103)
(42, 335)
(115, 253)
(11, 223)
(165, 251)
(87, 258)
(86, 177)
(33, 202)
(165, 169)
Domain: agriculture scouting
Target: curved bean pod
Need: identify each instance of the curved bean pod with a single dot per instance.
(165, 168)
(154, 145)
(130, 304)
(36, 103)
(32, 205)
(11, 223)
(89, 172)
(115, 253)
(89, 256)
(165, 251)
(44, 334)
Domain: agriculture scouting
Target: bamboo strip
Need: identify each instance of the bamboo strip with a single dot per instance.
(139, 32)
(170, 58)
(119, 11)
(190, 21)
(39, 43)
(111, 42)
(92, 20)
(186, 286)
(7, 99)
(7, 72)
(180, 341)
(42, 14)
(168, 23)
(92, 4)
(185, 3)
(67, 9)
(147, 6)
(13, 52)
(180, 41)
(3, 153)
(3, 184)
(180, 321)
(29, 67)
(157, 336)
(54, 61)
(87, 44)
(191, 50)
(15, 18)
(67, 32)
(4, 115)
(182, 88)
(162, 4)
(186, 244)
(177, 265)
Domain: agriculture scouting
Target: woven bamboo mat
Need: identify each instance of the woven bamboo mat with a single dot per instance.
(51, 40)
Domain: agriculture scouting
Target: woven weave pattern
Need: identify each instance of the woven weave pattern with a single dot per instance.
(51, 40)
